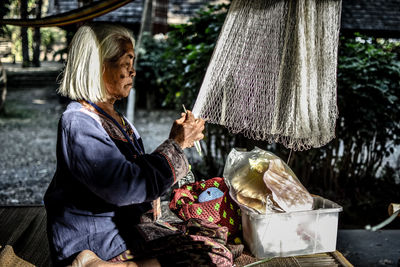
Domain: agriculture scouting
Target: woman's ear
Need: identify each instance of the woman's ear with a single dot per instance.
(103, 69)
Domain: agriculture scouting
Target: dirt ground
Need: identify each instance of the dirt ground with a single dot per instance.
(27, 140)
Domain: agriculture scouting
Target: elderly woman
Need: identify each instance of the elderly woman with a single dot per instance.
(104, 180)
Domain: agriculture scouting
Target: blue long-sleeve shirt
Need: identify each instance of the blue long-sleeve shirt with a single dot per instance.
(103, 185)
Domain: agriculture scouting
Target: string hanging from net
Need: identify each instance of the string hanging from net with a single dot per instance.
(272, 75)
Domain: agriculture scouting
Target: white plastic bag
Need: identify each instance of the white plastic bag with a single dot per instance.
(261, 181)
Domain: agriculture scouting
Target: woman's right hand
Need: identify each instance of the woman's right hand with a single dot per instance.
(186, 130)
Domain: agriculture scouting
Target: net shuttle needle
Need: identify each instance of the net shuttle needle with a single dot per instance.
(196, 143)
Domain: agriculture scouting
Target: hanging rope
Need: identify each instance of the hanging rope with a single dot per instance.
(91, 11)
(272, 75)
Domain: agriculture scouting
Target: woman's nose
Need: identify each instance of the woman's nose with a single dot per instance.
(132, 72)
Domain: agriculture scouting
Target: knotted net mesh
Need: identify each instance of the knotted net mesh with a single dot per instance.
(272, 75)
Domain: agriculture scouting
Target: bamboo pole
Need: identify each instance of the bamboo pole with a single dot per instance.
(146, 16)
(91, 11)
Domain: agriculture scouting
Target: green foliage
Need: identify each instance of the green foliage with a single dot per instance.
(4, 9)
(173, 66)
(369, 98)
(50, 36)
(189, 50)
(150, 71)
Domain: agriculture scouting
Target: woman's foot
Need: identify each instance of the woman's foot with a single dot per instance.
(88, 258)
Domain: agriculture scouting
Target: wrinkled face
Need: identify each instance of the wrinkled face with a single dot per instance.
(117, 74)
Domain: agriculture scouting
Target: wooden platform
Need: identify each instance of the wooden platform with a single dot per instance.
(24, 229)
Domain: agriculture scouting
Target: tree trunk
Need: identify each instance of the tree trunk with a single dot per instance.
(24, 34)
(3, 87)
(36, 36)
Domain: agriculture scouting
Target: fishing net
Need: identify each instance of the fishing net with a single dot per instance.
(272, 75)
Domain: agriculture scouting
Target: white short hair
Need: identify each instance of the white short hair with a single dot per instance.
(92, 45)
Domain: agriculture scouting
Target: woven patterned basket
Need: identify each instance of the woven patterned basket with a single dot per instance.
(222, 211)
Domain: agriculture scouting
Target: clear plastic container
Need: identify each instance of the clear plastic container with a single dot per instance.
(294, 233)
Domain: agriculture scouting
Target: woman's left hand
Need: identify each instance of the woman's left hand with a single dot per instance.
(186, 130)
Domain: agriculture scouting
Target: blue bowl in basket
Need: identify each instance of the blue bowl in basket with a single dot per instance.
(210, 193)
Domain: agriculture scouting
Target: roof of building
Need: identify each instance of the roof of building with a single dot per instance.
(380, 18)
